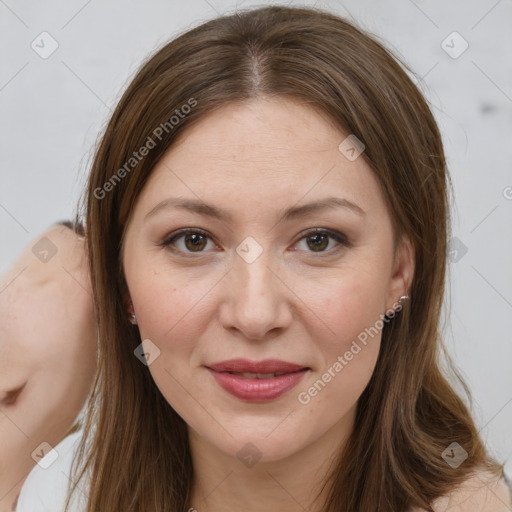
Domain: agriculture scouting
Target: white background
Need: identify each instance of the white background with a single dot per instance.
(52, 110)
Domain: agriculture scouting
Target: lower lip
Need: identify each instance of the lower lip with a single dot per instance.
(257, 390)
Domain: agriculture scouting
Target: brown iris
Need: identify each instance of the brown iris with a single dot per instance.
(197, 242)
(321, 241)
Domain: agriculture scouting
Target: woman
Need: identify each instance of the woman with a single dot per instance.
(47, 352)
(267, 223)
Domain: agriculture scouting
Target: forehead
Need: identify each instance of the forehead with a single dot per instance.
(265, 120)
(267, 149)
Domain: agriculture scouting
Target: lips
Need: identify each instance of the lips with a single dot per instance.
(257, 381)
(267, 366)
(249, 375)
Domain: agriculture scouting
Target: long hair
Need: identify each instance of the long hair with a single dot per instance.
(135, 448)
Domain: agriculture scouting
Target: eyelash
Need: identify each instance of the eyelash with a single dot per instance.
(338, 237)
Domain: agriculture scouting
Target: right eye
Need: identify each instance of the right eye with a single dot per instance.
(187, 240)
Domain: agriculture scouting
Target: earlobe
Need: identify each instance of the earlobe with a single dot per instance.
(131, 315)
(128, 307)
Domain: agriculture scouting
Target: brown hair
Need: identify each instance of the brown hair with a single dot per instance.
(409, 413)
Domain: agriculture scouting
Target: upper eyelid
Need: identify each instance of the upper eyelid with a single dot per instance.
(186, 231)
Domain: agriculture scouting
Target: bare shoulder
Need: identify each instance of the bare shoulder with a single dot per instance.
(43, 259)
(482, 491)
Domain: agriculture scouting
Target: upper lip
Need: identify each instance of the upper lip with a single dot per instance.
(265, 366)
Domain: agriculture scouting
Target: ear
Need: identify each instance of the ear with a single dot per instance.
(127, 304)
(402, 273)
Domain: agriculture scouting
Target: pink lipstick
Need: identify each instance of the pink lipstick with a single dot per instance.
(257, 381)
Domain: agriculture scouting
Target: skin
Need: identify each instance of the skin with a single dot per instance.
(289, 303)
(47, 353)
(292, 303)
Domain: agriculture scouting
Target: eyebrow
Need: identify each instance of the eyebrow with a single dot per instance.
(293, 212)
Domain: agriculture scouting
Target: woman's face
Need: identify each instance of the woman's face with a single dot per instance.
(274, 269)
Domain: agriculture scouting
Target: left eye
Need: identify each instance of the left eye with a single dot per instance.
(318, 240)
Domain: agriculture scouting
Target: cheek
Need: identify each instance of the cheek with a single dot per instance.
(351, 307)
(348, 357)
(171, 313)
(346, 305)
(171, 309)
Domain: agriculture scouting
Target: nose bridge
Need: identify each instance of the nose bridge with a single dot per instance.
(255, 278)
(257, 300)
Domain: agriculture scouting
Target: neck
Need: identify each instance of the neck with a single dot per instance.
(291, 484)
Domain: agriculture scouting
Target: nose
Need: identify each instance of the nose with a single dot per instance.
(256, 302)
